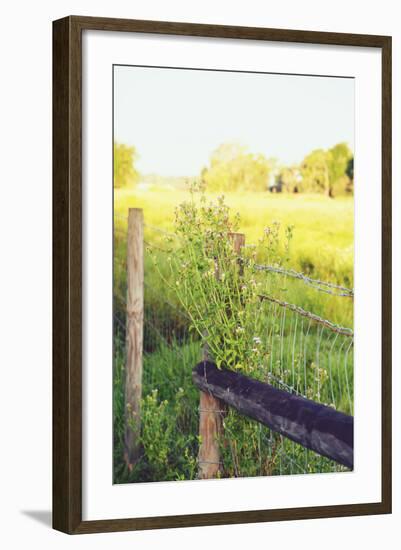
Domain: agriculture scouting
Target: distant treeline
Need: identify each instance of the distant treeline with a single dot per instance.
(329, 171)
(233, 168)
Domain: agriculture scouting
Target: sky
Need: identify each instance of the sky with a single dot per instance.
(176, 118)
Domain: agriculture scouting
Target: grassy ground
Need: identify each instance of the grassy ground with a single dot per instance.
(322, 247)
(170, 420)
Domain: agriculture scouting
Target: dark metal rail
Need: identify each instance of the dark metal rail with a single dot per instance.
(313, 425)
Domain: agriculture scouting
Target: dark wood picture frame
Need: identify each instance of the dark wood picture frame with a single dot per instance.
(67, 274)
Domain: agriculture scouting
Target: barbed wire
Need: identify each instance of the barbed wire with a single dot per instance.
(160, 230)
(120, 216)
(123, 302)
(120, 322)
(157, 247)
(282, 384)
(160, 335)
(328, 324)
(168, 302)
(118, 231)
(315, 283)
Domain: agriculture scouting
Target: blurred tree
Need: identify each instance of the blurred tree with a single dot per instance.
(315, 172)
(338, 158)
(232, 168)
(328, 171)
(350, 168)
(125, 173)
(289, 179)
(350, 173)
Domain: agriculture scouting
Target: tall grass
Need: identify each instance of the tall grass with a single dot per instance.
(322, 247)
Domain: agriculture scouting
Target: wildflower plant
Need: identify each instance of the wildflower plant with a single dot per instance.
(218, 287)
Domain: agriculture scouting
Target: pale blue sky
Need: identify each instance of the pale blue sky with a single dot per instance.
(176, 118)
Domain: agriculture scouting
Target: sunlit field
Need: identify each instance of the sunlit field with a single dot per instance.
(322, 244)
(323, 227)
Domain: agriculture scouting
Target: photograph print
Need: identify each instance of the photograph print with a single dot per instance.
(233, 261)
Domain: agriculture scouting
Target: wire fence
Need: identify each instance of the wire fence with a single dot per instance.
(321, 286)
(309, 356)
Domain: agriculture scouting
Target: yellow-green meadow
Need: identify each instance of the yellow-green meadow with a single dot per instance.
(323, 234)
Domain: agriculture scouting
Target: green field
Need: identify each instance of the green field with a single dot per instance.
(322, 243)
(322, 247)
(323, 236)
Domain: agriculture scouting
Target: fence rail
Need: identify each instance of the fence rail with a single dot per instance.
(315, 426)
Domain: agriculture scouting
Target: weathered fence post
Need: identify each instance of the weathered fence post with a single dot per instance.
(134, 335)
(211, 410)
(238, 240)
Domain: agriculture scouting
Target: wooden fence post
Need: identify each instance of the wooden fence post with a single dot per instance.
(238, 240)
(211, 410)
(210, 430)
(134, 335)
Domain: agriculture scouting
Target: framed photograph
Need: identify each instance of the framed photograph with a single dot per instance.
(221, 274)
